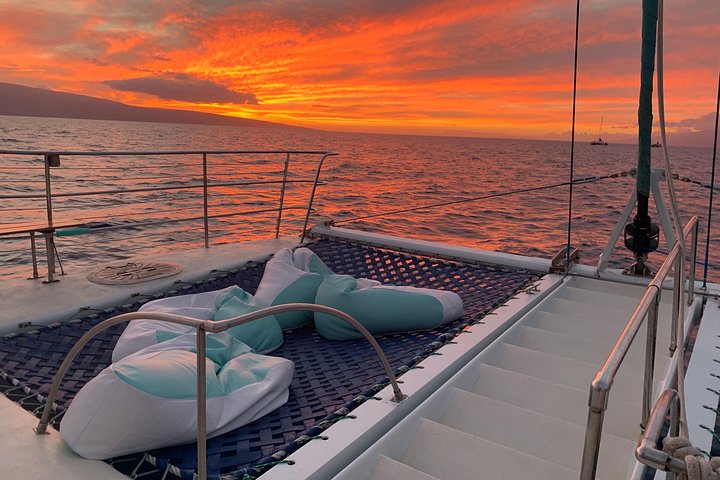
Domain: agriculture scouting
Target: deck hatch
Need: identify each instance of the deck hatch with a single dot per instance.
(130, 273)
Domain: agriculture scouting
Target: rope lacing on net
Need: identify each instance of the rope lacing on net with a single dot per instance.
(697, 467)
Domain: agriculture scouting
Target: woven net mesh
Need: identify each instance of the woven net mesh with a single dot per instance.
(331, 377)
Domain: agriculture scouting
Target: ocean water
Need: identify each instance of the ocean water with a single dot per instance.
(372, 176)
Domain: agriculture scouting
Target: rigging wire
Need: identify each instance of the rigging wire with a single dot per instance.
(661, 113)
(577, 181)
(680, 340)
(712, 187)
(572, 137)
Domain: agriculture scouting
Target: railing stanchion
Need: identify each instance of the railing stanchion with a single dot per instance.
(282, 195)
(33, 253)
(49, 248)
(693, 259)
(50, 252)
(205, 202)
(593, 433)
(650, 345)
(677, 286)
(201, 405)
(48, 191)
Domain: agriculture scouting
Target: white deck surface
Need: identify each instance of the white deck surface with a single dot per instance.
(29, 456)
(702, 376)
(33, 301)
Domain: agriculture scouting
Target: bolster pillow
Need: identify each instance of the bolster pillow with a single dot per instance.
(292, 277)
(382, 309)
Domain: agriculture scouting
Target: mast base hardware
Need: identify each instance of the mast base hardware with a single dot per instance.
(642, 236)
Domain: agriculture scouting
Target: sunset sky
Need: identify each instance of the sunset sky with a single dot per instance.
(448, 67)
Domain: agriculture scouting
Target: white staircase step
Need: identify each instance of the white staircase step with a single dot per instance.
(554, 400)
(627, 386)
(598, 298)
(448, 453)
(626, 290)
(389, 469)
(606, 315)
(609, 313)
(582, 350)
(614, 288)
(604, 333)
(535, 434)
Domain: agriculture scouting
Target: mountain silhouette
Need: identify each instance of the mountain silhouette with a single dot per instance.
(19, 100)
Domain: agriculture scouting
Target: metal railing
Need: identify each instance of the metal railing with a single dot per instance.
(52, 160)
(648, 308)
(646, 451)
(202, 327)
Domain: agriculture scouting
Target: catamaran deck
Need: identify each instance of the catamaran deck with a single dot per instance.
(332, 378)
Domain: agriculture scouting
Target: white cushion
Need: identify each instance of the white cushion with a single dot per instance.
(140, 334)
(382, 309)
(262, 335)
(292, 277)
(148, 400)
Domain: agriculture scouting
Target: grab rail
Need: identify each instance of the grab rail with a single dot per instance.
(648, 307)
(52, 159)
(202, 327)
(646, 451)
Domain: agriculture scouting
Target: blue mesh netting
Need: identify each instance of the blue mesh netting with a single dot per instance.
(331, 377)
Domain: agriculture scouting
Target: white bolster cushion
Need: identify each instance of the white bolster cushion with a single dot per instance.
(382, 309)
(148, 400)
(292, 277)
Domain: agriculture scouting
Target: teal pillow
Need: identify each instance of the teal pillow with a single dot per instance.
(292, 277)
(262, 335)
(382, 309)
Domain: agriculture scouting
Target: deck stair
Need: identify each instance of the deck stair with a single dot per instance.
(519, 409)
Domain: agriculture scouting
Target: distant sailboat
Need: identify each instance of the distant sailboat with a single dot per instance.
(657, 144)
(599, 141)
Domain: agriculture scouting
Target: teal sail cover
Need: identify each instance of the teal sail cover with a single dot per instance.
(649, 36)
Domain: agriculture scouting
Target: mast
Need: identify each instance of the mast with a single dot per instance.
(641, 236)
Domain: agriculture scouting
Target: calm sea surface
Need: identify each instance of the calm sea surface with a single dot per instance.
(371, 175)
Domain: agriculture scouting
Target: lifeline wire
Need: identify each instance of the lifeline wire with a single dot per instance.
(712, 187)
(572, 136)
(661, 113)
(590, 179)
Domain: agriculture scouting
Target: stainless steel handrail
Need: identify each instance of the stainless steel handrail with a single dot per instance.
(312, 194)
(52, 160)
(149, 189)
(202, 327)
(94, 153)
(601, 385)
(646, 451)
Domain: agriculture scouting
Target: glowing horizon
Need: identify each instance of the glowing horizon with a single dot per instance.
(458, 67)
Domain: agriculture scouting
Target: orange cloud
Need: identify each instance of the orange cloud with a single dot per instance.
(498, 68)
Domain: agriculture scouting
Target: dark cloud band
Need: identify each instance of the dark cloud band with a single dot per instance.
(183, 88)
